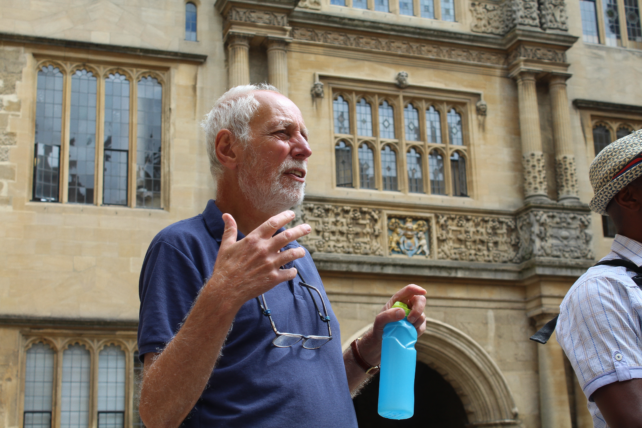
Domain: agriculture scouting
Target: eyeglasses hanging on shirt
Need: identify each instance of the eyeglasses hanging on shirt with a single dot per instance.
(285, 340)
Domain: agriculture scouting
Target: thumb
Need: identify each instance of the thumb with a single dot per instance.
(230, 233)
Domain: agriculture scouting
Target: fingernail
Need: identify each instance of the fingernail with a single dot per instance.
(412, 319)
(401, 313)
(308, 229)
(291, 213)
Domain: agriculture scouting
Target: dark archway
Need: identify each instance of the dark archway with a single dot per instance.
(437, 405)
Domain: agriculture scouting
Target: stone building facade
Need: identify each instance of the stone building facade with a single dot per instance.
(451, 142)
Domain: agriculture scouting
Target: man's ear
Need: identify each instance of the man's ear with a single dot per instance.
(226, 152)
(629, 198)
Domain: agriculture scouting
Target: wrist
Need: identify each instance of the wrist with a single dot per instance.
(370, 369)
(369, 349)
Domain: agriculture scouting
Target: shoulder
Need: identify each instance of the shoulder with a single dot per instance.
(599, 278)
(183, 234)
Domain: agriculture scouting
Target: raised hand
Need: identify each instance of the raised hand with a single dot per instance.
(245, 269)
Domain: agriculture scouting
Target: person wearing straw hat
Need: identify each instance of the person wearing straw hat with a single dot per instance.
(600, 321)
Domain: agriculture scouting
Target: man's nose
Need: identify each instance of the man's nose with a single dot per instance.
(300, 147)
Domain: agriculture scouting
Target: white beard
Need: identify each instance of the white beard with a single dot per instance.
(269, 191)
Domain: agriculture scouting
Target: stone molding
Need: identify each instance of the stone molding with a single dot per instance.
(566, 175)
(389, 45)
(607, 107)
(257, 17)
(500, 18)
(534, 174)
(559, 235)
(536, 53)
(310, 4)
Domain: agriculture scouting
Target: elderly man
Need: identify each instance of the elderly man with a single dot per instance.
(600, 321)
(235, 327)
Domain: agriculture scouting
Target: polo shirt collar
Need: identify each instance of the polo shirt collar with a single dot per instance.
(213, 218)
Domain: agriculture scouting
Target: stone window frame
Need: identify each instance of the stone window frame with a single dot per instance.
(624, 40)
(393, 6)
(59, 341)
(101, 70)
(399, 100)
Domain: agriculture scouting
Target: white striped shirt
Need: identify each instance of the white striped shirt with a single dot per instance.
(600, 321)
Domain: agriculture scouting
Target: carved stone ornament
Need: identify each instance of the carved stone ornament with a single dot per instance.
(541, 54)
(342, 229)
(310, 4)
(476, 239)
(317, 90)
(566, 176)
(408, 237)
(561, 235)
(402, 80)
(384, 44)
(482, 108)
(257, 17)
(500, 18)
(552, 15)
(534, 174)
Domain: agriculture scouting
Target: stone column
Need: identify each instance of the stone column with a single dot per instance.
(277, 56)
(564, 156)
(535, 187)
(238, 60)
(553, 392)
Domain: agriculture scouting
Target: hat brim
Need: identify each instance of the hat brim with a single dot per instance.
(602, 198)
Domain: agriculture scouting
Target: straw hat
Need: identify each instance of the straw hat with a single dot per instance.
(614, 168)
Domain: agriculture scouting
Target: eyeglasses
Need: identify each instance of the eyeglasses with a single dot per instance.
(285, 340)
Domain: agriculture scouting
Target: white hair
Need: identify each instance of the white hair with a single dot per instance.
(233, 111)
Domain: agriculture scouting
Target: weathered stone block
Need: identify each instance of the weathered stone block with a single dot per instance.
(7, 172)
(7, 138)
(4, 154)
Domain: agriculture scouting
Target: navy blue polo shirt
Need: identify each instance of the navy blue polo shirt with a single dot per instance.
(254, 384)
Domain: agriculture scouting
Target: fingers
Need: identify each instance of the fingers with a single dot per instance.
(269, 228)
(417, 305)
(407, 293)
(230, 233)
(288, 256)
(289, 235)
(386, 317)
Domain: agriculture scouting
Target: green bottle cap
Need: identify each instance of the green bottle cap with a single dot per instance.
(403, 306)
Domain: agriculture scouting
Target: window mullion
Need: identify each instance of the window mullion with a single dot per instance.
(402, 171)
(437, 6)
(57, 404)
(100, 138)
(92, 418)
(445, 138)
(600, 21)
(624, 26)
(355, 141)
(133, 139)
(64, 144)
(129, 386)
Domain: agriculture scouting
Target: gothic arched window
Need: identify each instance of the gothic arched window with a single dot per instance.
(415, 174)
(601, 138)
(343, 158)
(190, 22)
(433, 125)
(454, 128)
(386, 121)
(364, 118)
(437, 181)
(411, 119)
(458, 171)
(366, 167)
(389, 168)
(341, 116)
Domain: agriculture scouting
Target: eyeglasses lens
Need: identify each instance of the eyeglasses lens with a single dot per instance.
(285, 340)
(315, 343)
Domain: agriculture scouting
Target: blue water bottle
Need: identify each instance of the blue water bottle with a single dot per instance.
(397, 375)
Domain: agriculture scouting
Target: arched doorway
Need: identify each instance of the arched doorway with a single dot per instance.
(437, 405)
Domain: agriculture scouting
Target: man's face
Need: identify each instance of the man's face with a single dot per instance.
(272, 173)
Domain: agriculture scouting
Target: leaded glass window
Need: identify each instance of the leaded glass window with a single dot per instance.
(366, 167)
(448, 10)
(148, 156)
(433, 125)
(364, 118)
(588, 12)
(116, 148)
(454, 128)
(338, 2)
(386, 120)
(611, 23)
(46, 180)
(111, 387)
(82, 137)
(437, 181)
(458, 171)
(343, 157)
(341, 116)
(406, 7)
(74, 407)
(622, 132)
(190, 22)
(381, 6)
(427, 8)
(632, 14)
(360, 4)
(38, 386)
(389, 168)
(601, 138)
(415, 176)
(411, 118)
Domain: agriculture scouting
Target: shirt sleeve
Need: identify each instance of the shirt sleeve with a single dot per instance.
(599, 331)
(169, 284)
